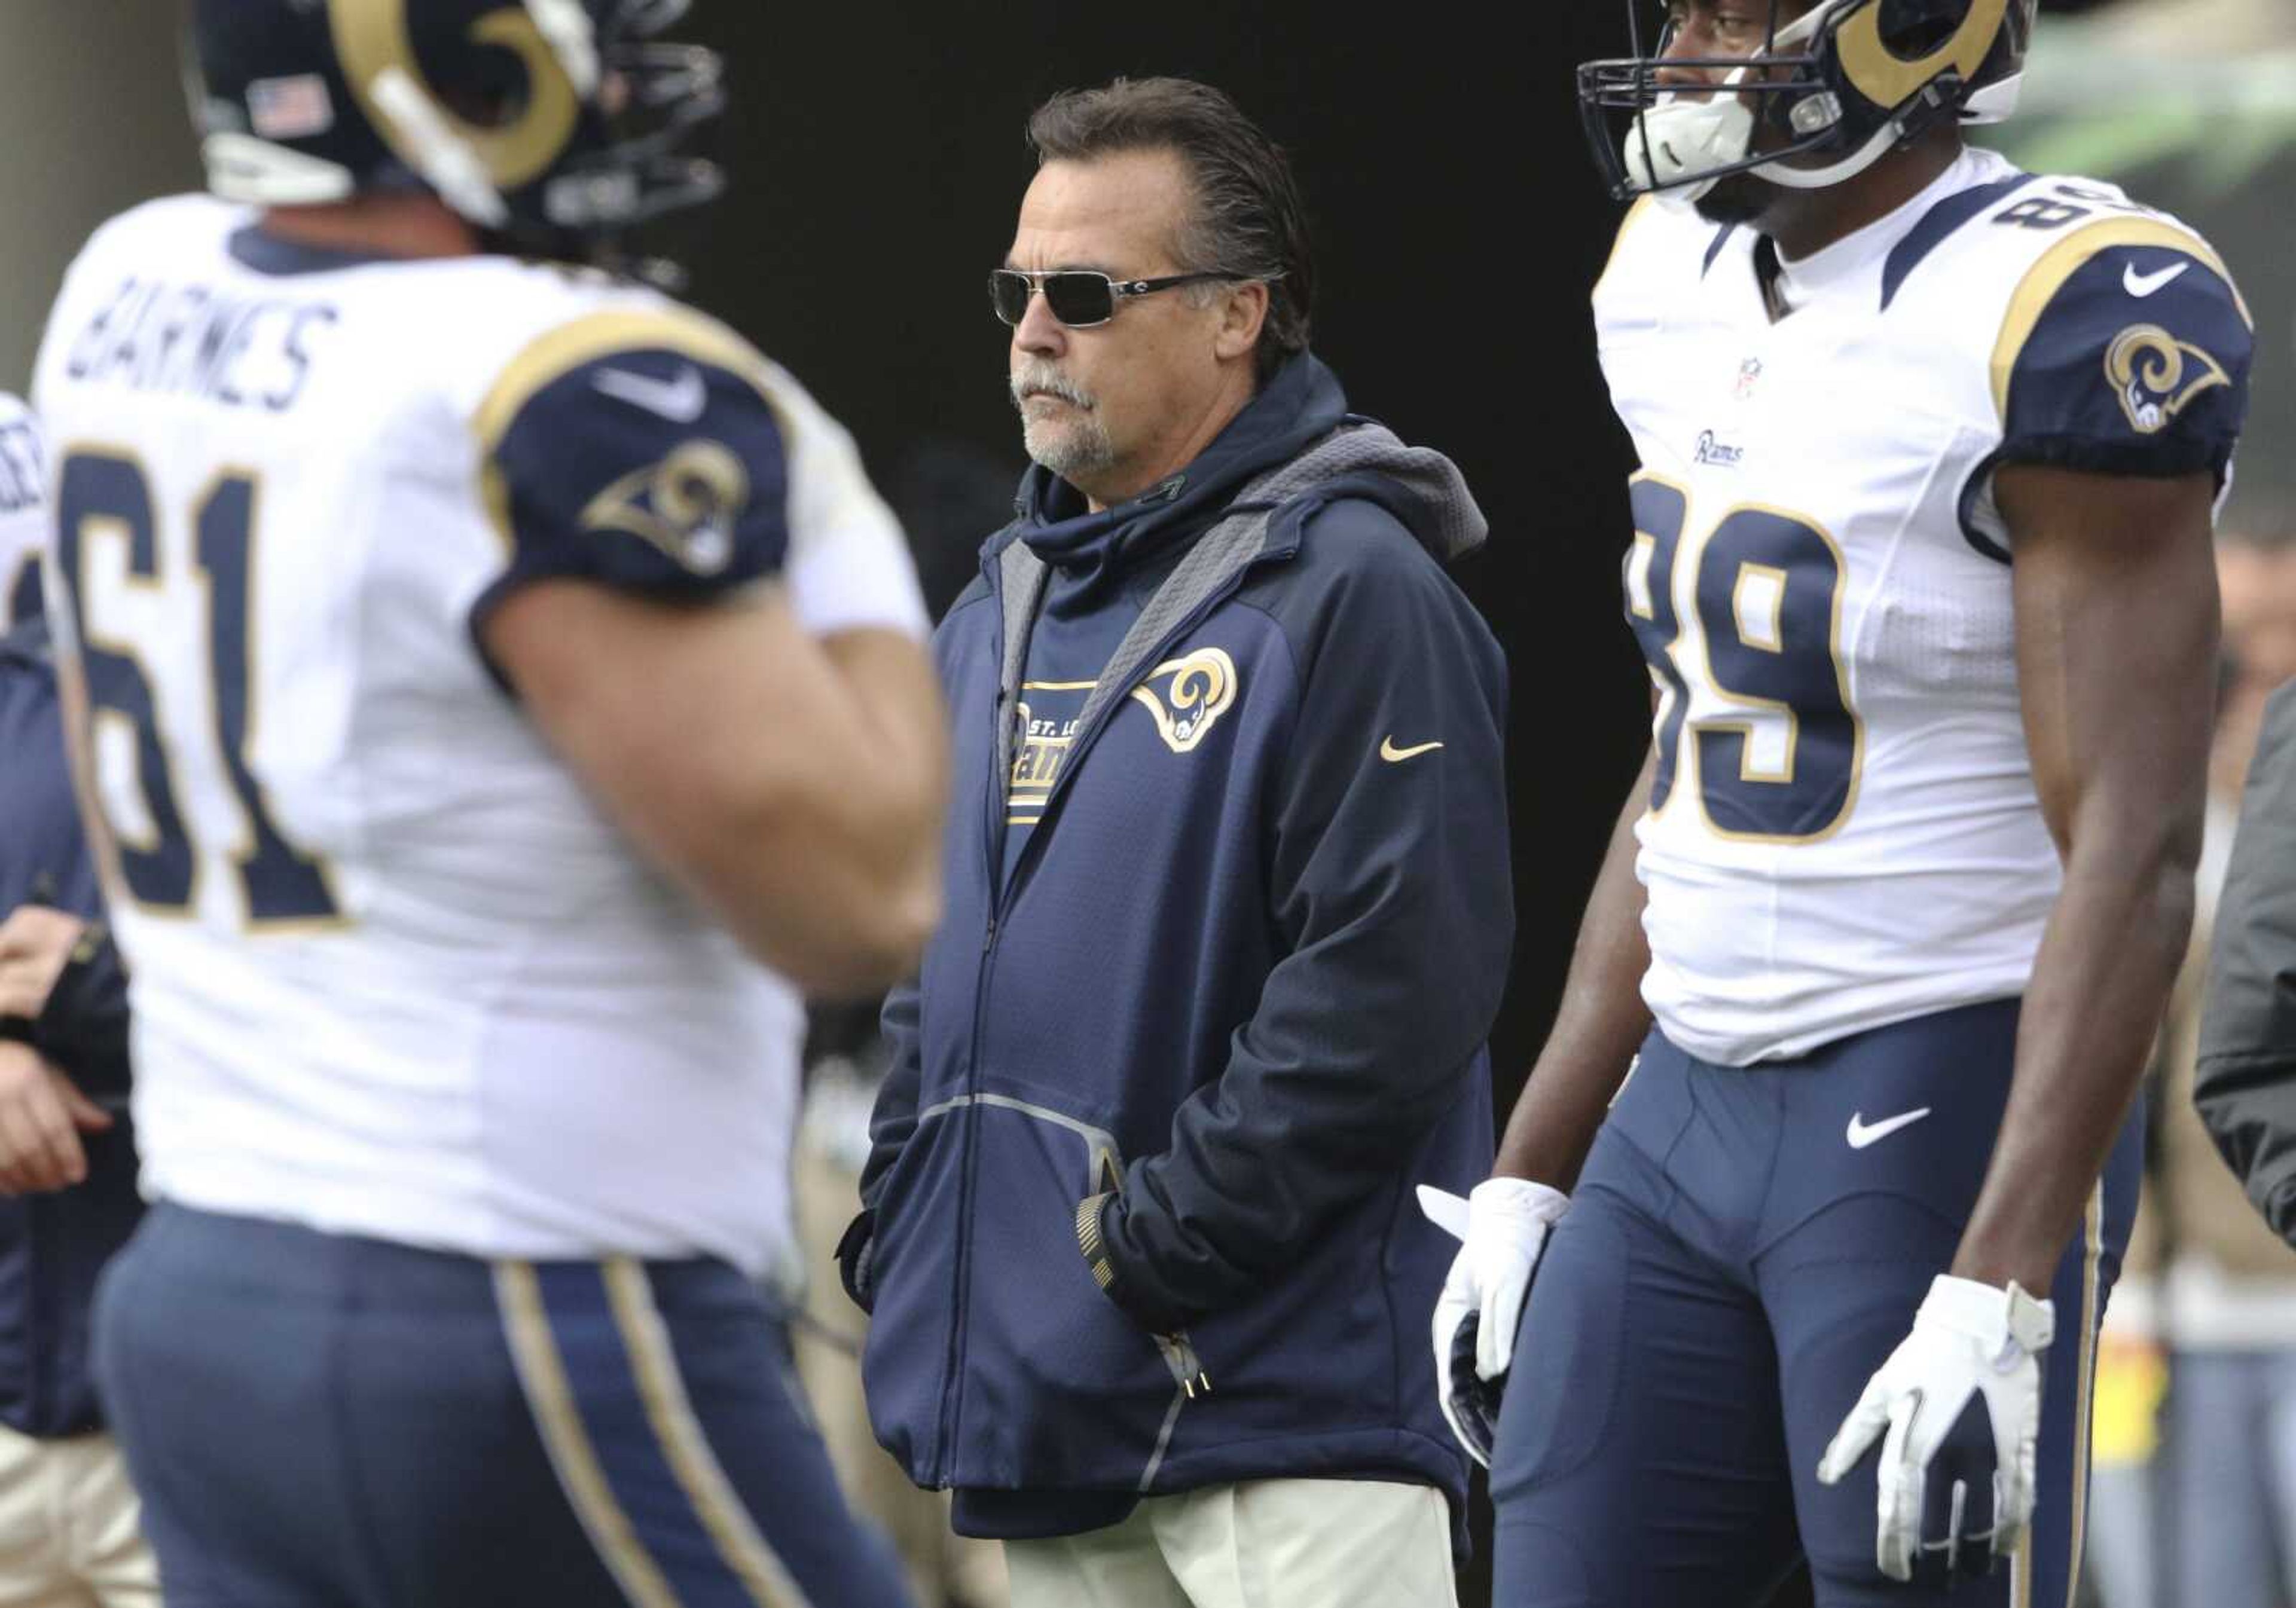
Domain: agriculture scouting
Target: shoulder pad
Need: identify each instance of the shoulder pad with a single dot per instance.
(637, 446)
(2126, 349)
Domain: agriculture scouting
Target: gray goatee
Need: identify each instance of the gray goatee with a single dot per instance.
(1071, 447)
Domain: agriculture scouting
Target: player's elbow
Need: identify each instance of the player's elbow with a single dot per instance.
(2142, 863)
(884, 946)
(902, 906)
(2171, 900)
(874, 941)
(839, 894)
(2152, 838)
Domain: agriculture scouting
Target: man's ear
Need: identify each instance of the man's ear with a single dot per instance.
(1244, 314)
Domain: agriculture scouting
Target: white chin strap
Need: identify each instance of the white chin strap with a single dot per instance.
(1685, 136)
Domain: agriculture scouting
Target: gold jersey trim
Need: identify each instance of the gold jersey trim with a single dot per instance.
(561, 350)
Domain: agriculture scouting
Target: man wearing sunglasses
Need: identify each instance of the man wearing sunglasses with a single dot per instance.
(1228, 915)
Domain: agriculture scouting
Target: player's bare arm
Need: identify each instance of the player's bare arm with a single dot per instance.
(1601, 1019)
(794, 787)
(1504, 1223)
(2116, 601)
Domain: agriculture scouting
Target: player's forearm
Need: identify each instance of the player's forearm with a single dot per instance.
(831, 872)
(872, 804)
(1601, 1022)
(836, 930)
(2116, 611)
(792, 786)
(2100, 984)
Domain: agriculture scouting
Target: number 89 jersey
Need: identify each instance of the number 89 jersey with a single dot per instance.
(1843, 829)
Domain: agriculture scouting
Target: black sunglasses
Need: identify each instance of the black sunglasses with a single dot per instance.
(1078, 297)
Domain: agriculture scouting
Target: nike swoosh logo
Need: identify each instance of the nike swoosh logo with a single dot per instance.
(2142, 285)
(1392, 755)
(1862, 1133)
(680, 400)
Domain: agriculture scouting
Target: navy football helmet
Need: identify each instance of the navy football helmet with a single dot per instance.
(1836, 88)
(551, 124)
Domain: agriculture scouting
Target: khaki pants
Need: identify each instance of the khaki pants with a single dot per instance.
(1264, 1543)
(69, 1532)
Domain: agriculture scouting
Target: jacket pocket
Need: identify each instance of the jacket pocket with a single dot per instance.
(913, 1286)
(1059, 1386)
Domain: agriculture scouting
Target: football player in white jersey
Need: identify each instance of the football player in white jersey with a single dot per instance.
(1921, 567)
(501, 692)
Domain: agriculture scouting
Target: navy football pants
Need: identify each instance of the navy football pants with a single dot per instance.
(1731, 1273)
(317, 1421)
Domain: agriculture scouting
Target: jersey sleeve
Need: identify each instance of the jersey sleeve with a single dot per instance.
(639, 449)
(849, 567)
(2126, 351)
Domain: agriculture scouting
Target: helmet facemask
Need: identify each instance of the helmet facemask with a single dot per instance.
(1835, 90)
(655, 102)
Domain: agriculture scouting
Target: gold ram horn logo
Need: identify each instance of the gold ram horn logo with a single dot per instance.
(1888, 79)
(1203, 685)
(372, 37)
(688, 505)
(2154, 374)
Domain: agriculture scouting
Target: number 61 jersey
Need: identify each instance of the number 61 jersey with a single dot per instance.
(394, 974)
(1843, 828)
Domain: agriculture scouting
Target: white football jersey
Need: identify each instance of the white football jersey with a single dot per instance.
(23, 513)
(394, 974)
(1844, 831)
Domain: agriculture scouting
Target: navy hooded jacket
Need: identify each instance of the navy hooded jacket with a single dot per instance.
(53, 1246)
(1138, 1213)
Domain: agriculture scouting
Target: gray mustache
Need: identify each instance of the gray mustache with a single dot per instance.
(1043, 377)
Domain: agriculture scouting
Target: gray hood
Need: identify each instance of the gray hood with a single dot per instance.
(1437, 507)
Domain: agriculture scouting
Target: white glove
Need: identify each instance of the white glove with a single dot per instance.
(1504, 1232)
(1968, 1339)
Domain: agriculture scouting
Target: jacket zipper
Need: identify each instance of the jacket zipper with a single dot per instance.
(1178, 1352)
(1187, 1368)
(992, 867)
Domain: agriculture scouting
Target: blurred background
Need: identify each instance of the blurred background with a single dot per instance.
(878, 160)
